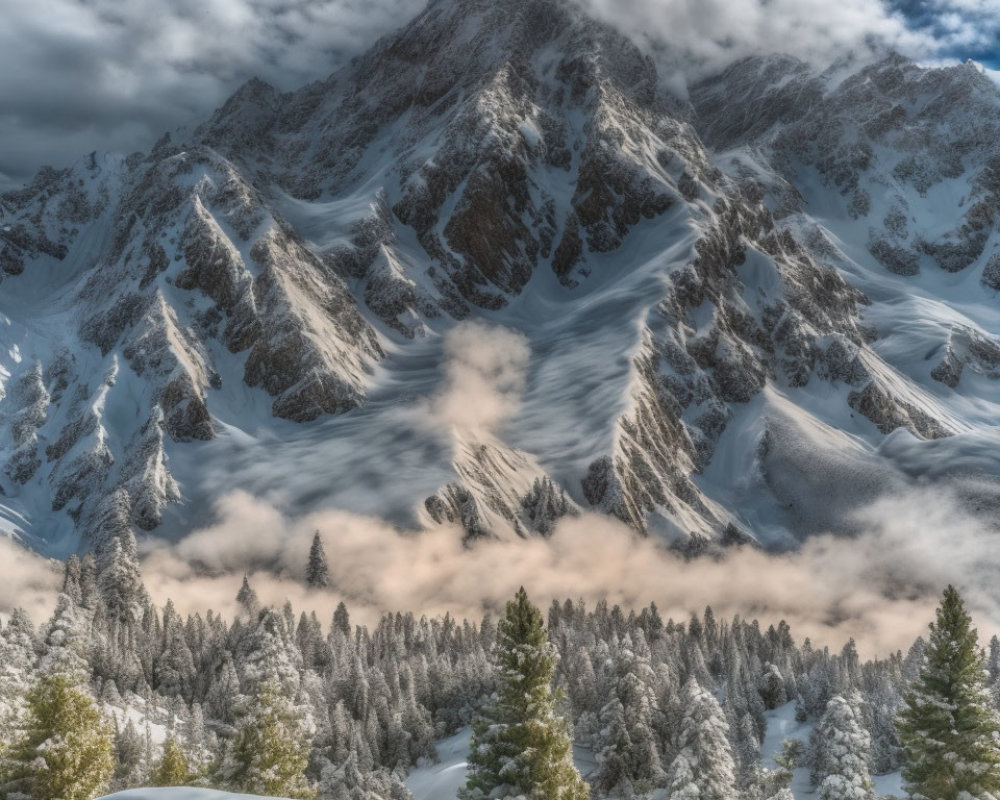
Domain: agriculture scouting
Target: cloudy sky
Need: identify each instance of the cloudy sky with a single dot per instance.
(83, 75)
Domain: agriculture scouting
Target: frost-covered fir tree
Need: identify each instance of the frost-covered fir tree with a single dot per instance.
(341, 620)
(520, 746)
(247, 598)
(703, 768)
(317, 570)
(950, 732)
(544, 505)
(173, 767)
(616, 753)
(120, 581)
(130, 761)
(65, 751)
(270, 753)
(17, 656)
(629, 755)
(67, 640)
(841, 751)
(175, 670)
(348, 782)
(268, 654)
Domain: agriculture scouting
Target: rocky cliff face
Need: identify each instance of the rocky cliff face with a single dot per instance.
(790, 246)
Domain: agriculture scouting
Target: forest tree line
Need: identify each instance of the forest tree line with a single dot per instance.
(113, 692)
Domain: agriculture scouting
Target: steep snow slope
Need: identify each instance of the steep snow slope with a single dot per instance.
(744, 340)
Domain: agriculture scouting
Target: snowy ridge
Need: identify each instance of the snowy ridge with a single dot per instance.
(790, 252)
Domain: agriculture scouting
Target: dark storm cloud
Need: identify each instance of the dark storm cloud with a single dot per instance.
(80, 75)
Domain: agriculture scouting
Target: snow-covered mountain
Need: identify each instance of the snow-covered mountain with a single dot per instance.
(747, 313)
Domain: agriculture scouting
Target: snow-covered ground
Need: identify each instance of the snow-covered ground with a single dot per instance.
(442, 781)
(181, 793)
(781, 725)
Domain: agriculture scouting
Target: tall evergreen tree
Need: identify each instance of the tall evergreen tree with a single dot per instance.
(120, 582)
(704, 768)
(173, 767)
(270, 753)
(317, 570)
(66, 751)
(247, 598)
(949, 731)
(130, 766)
(342, 620)
(841, 753)
(520, 746)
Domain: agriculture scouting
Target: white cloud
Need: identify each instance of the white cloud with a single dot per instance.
(27, 581)
(107, 75)
(701, 36)
(485, 370)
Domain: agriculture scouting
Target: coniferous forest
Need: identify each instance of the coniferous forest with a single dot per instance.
(113, 692)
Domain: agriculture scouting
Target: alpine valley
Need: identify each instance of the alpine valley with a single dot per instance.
(747, 313)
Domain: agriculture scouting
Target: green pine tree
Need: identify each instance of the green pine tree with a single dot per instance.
(947, 726)
(66, 750)
(173, 767)
(270, 752)
(520, 746)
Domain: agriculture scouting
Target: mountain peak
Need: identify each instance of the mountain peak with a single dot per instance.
(310, 257)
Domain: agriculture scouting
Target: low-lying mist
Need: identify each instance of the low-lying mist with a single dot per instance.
(879, 588)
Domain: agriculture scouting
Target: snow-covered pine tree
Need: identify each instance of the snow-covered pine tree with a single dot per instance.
(630, 756)
(841, 748)
(317, 570)
(17, 656)
(247, 598)
(520, 746)
(341, 621)
(65, 751)
(950, 732)
(270, 753)
(174, 671)
(614, 755)
(67, 640)
(120, 581)
(883, 701)
(703, 768)
(130, 751)
(224, 693)
(173, 767)
(267, 654)
(746, 747)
